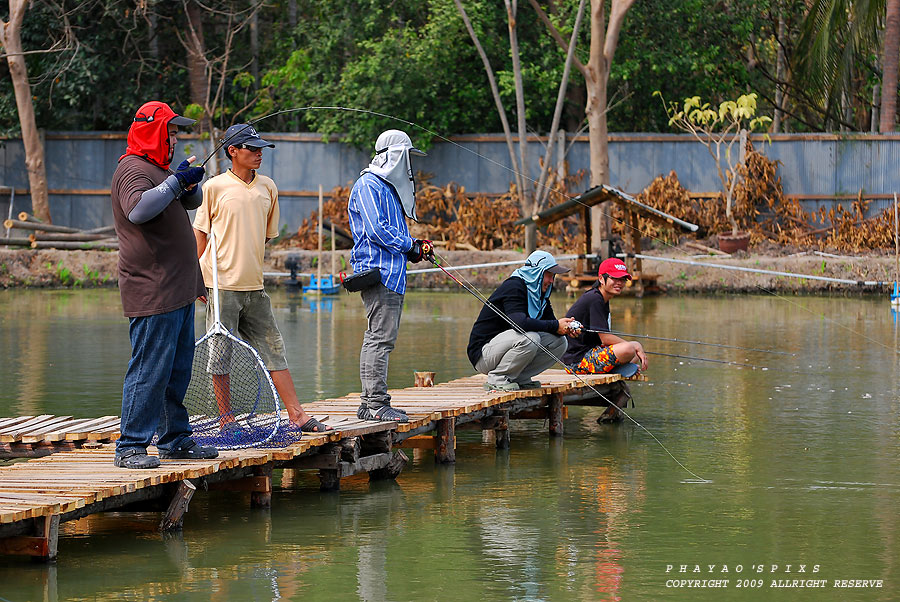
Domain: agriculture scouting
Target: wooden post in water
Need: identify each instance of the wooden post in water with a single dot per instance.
(556, 415)
(501, 431)
(319, 256)
(333, 253)
(42, 545)
(896, 241)
(445, 452)
(174, 517)
(262, 499)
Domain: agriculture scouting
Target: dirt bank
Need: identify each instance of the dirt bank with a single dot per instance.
(50, 268)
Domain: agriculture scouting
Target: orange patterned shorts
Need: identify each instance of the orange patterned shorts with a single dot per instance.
(598, 360)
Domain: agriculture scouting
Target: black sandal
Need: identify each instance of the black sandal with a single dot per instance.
(314, 426)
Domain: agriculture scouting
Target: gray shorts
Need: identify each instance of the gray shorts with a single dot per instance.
(248, 316)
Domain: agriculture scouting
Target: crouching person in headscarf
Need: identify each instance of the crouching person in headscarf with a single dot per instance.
(509, 358)
(380, 201)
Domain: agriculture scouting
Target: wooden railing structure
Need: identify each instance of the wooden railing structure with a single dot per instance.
(68, 473)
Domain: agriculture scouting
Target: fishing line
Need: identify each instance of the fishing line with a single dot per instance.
(685, 341)
(511, 170)
(707, 359)
(469, 287)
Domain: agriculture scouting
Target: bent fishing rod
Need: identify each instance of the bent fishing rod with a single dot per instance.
(487, 303)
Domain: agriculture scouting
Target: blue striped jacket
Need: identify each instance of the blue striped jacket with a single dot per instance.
(380, 236)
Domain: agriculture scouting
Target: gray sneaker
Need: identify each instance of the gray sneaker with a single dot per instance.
(506, 387)
(529, 384)
(136, 458)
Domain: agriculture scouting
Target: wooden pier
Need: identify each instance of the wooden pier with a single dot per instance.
(69, 471)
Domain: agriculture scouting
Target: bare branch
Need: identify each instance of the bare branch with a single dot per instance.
(554, 33)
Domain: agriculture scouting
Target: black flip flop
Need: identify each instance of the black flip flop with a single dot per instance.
(314, 426)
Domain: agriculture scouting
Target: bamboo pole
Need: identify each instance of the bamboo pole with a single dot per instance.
(319, 260)
(62, 236)
(333, 258)
(101, 230)
(896, 240)
(12, 223)
(73, 245)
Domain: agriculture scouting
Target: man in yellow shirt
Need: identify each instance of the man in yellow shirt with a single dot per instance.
(242, 206)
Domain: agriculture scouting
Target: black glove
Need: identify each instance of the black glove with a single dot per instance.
(420, 249)
(188, 176)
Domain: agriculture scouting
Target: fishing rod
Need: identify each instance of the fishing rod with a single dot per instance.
(685, 341)
(487, 303)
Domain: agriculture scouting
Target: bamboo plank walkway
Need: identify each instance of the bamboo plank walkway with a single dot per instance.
(38, 493)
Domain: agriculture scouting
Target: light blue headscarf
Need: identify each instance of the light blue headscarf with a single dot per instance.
(533, 275)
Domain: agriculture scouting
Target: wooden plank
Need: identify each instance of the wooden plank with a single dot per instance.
(418, 442)
(5, 422)
(54, 432)
(26, 424)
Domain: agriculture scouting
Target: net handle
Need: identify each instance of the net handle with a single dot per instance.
(215, 272)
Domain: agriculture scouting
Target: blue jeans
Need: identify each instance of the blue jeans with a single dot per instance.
(162, 355)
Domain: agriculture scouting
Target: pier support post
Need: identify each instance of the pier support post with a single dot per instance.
(262, 499)
(445, 452)
(174, 518)
(556, 415)
(501, 431)
(394, 467)
(329, 480)
(619, 397)
(42, 545)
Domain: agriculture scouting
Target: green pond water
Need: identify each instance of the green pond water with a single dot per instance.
(803, 463)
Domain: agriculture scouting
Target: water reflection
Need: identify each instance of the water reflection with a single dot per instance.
(803, 463)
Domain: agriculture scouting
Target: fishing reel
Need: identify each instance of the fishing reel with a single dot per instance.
(575, 327)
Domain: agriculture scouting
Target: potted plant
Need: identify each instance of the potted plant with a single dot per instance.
(719, 131)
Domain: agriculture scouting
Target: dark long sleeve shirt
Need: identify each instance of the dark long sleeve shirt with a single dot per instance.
(511, 297)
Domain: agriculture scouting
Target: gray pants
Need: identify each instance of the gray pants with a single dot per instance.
(383, 309)
(513, 357)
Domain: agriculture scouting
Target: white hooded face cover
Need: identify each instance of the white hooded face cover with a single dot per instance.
(391, 163)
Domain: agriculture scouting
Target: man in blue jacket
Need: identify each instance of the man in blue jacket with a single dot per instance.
(382, 198)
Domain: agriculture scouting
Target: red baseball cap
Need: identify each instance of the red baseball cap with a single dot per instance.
(615, 267)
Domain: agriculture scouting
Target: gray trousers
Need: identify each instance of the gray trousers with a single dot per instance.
(383, 309)
(514, 357)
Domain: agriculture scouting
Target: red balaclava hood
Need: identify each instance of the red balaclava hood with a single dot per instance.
(148, 136)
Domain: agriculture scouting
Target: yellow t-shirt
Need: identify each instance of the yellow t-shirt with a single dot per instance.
(243, 217)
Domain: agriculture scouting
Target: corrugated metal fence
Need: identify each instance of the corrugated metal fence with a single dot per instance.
(817, 169)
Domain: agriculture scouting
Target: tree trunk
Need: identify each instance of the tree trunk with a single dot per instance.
(11, 41)
(780, 72)
(198, 76)
(890, 60)
(598, 72)
(526, 196)
(254, 48)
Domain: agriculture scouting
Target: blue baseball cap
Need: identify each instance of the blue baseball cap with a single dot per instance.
(244, 134)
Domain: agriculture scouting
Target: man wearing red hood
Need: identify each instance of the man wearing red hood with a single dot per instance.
(159, 280)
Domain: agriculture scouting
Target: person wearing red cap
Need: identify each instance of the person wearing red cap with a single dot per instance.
(159, 280)
(598, 353)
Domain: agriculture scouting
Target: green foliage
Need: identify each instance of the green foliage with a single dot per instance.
(63, 274)
(414, 60)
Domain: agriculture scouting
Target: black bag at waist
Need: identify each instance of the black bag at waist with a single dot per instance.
(362, 280)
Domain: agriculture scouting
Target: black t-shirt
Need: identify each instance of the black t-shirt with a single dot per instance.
(592, 311)
(511, 297)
